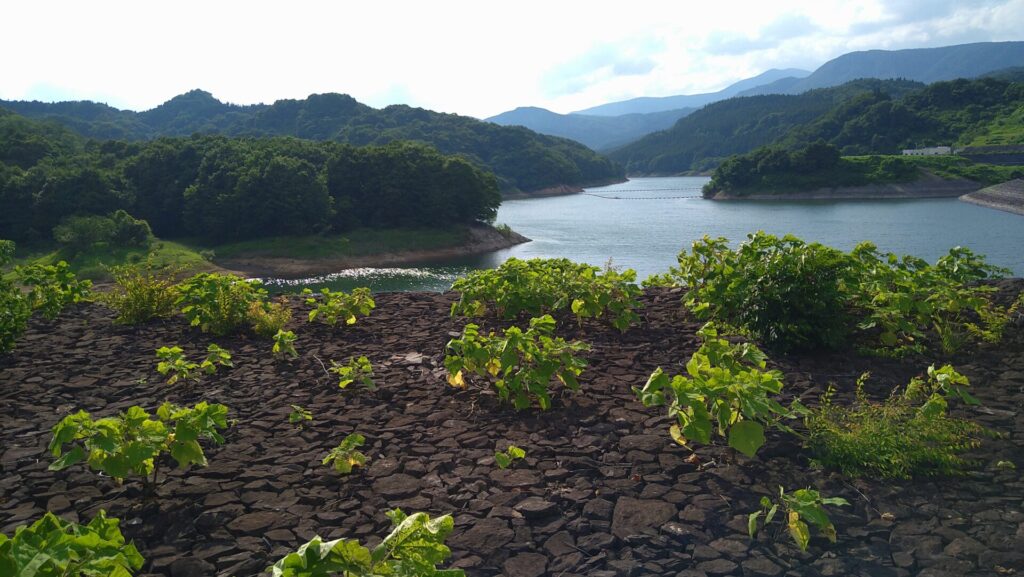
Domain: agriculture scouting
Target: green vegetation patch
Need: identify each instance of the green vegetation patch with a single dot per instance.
(792, 295)
(907, 435)
(95, 261)
(359, 242)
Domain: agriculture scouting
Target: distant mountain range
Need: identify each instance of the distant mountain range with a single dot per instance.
(737, 125)
(866, 116)
(627, 120)
(522, 159)
(618, 123)
(920, 64)
(597, 132)
(648, 104)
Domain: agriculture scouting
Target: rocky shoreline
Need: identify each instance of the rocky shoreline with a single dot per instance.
(482, 239)
(927, 186)
(1008, 197)
(602, 492)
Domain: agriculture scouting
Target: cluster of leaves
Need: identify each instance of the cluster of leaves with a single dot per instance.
(539, 286)
(284, 345)
(14, 307)
(299, 415)
(331, 307)
(414, 548)
(267, 319)
(786, 293)
(726, 390)
(504, 458)
(133, 443)
(54, 547)
(519, 364)
(173, 362)
(77, 233)
(224, 303)
(901, 300)
(800, 506)
(909, 434)
(140, 293)
(346, 455)
(52, 287)
(791, 295)
(357, 369)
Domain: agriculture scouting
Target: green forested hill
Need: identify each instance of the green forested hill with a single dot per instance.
(958, 112)
(221, 188)
(522, 159)
(738, 125)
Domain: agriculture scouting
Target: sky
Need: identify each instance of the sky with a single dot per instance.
(476, 58)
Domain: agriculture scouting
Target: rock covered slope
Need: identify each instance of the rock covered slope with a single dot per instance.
(602, 492)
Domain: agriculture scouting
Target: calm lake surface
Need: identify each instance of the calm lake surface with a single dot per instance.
(642, 224)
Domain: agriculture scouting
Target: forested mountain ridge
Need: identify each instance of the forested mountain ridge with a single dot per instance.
(926, 65)
(703, 139)
(960, 112)
(521, 159)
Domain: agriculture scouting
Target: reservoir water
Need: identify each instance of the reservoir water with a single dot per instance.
(643, 223)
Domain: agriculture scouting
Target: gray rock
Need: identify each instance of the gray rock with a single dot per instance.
(485, 537)
(760, 567)
(526, 565)
(535, 507)
(602, 509)
(398, 485)
(717, 567)
(640, 516)
(192, 567)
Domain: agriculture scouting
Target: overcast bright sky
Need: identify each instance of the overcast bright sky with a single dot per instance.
(476, 58)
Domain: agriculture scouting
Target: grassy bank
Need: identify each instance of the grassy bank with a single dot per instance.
(92, 264)
(960, 167)
(190, 255)
(359, 242)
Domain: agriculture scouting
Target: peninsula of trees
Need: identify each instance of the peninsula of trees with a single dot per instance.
(220, 189)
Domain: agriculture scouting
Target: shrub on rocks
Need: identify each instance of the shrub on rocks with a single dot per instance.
(539, 286)
(14, 307)
(133, 443)
(520, 364)
(140, 293)
(726, 390)
(909, 434)
(414, 548)
(53, 546)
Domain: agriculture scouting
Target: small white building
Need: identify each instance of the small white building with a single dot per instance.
(933, 151)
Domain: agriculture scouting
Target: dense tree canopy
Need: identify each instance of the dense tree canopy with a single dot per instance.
(522, 159)
(223, 189)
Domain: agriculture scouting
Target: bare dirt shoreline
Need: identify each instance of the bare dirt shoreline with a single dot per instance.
(482, 239)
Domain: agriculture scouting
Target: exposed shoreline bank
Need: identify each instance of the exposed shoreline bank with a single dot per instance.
(481, 239)
(927, 186)
(560, 190)
(1007, 197)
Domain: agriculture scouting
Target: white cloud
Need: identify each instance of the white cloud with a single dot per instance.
(476, 58)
